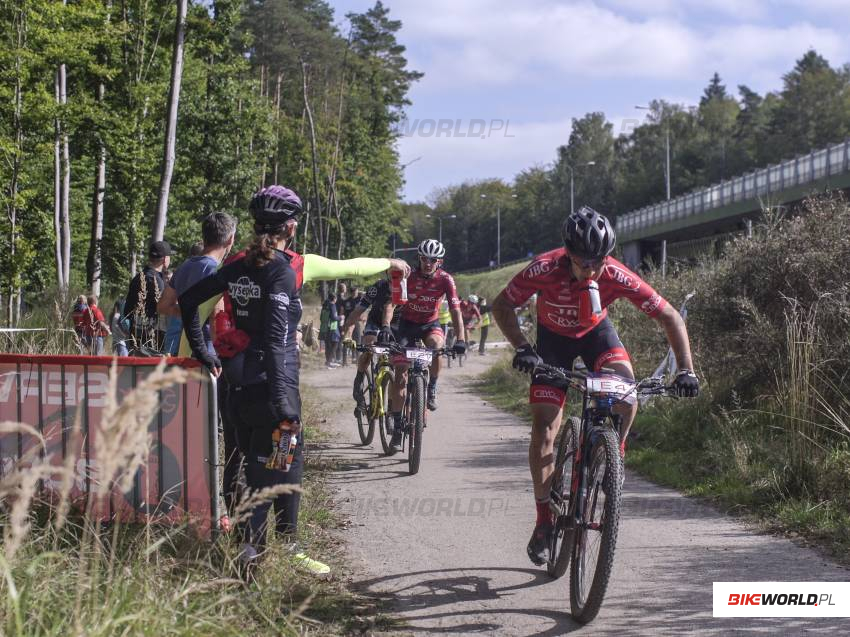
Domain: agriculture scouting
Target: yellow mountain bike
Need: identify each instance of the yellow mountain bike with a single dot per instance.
(376, 395)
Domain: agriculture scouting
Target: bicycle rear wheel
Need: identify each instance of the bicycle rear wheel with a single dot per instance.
(596, 534)
(417, 423)
(365, 421)
(562, 538)
(385, 420)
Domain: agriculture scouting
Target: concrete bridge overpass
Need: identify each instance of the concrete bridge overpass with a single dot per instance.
(693, 223)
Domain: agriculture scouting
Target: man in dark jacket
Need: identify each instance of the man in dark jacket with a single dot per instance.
(145, 290)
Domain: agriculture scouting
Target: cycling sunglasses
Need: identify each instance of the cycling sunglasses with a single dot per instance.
(425, 259)
(587, 264)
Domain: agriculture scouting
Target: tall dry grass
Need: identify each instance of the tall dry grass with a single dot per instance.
(66, 571)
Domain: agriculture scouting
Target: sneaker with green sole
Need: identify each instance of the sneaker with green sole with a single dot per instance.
(309, 565)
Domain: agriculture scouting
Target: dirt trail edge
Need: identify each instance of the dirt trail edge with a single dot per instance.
(446, 548)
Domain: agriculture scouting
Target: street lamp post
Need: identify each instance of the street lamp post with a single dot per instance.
(498, 228)
(440, 220)
(572, 183)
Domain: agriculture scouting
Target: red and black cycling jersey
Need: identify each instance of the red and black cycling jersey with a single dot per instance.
(424, 294)
(550, 276)
(469, 312)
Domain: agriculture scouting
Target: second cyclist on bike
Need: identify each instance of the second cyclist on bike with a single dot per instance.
(427, 285)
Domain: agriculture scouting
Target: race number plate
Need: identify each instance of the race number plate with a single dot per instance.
(379, 350)
(422, 355)
(610, 386)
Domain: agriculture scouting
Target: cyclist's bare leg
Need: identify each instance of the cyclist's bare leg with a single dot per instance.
(435, 341)
(398, 393)
(628, 412)
(546, 420)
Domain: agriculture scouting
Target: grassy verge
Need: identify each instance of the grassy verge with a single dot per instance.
(734, 459)
(487, 284)
(70, 574)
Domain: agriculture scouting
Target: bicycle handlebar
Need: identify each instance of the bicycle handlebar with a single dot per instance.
(649, 386)
(395, 348)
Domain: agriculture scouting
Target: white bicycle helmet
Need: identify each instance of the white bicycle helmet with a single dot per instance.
(472, 298)
(432, 249)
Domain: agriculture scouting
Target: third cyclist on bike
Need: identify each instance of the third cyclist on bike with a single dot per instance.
(560, 278)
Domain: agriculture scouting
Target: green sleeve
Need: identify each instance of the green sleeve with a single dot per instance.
(204, 311)
(318, 268)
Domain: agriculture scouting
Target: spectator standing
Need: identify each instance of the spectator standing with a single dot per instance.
(330, 321)
(119, 328)
(219, 232)
(144, 293)
(95, 328)
(349, 303)
(80, 315)
(341, 291)
(486, 318)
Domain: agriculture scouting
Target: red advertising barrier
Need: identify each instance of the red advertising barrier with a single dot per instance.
(180, 478)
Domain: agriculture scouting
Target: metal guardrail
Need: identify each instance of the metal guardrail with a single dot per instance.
(802, 170)
(179, 480)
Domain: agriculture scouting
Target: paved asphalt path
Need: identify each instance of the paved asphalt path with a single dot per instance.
(446, 548)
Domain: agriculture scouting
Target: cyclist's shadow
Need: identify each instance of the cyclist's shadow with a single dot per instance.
(463, 588)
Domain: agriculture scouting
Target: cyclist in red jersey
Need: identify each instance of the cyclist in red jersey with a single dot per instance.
(470, 312)
(559, 278)
(426, 287)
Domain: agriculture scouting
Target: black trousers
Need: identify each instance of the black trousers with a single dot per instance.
(254, 424)
(484, 330)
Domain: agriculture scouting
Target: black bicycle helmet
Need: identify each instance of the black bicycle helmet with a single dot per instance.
(588, 234)
(274, 206)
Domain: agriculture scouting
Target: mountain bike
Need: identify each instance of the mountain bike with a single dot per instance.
(414, 414)
(587, 483)
(376, 393)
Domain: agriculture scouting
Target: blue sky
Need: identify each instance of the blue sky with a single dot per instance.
(535, 65)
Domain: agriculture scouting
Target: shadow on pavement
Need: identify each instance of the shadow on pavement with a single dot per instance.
(434, 588)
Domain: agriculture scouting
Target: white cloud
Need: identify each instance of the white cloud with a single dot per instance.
(486, 43)
(583, 55)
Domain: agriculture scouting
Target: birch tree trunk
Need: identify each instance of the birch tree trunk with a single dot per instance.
(66, 189)
(275, 160)
(323, 248)
(14, 288)
(57, 190)
(171, 123)
(95, 261)
(95, 246)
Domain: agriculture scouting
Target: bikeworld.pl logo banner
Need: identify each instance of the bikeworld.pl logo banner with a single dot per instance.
(782, 599)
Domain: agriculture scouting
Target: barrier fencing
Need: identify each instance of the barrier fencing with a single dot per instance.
(178, 482)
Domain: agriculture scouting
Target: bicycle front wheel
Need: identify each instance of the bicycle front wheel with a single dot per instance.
(365, 421)
(562, 538)
(596, 532)
(417, 423)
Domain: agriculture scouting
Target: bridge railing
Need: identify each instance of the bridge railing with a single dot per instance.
(799, 171)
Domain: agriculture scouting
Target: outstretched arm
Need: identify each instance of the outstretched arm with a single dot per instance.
(317, 268)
